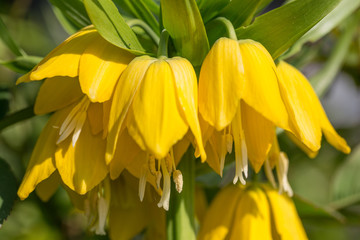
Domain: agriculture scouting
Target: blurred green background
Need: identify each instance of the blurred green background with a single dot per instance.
(327, 188)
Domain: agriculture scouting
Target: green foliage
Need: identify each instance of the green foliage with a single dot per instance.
(278, 29)
(241, 12)
(189, 34)
(8, 188)
(22, 64)
(7, 39)
(346, 183)
(71, 13)
(111, 25)
(211, 8)
(343, 10)
(139, 9)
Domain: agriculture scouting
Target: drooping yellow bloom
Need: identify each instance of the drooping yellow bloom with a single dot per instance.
(155, 104)
(86, 55)
(308, 117)
(69, 143)
(240, 101)
(81, 75)
(251, 212)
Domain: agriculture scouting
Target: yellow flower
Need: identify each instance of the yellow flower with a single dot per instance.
(240, 101)
(155, 104)
(252, 212)
(81, 75)
(307, 115)
(86, 55)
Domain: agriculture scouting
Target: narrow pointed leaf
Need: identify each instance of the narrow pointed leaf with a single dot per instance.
(141, 11)
(73, 11)
(111, 25)
(278, 29)
(344, 9)
(211, 8)
(9, 42)
(240, 12)
(21, 64)
(183, 21)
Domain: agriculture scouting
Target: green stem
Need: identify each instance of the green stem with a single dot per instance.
(326, 76)
(17, 117)
(230, 30)
(137, 22)
(163, 44)
(181, 217)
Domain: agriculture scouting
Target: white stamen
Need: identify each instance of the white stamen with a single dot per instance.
(269, 174)
(229, 142)
(165, 197)
(282, 171)
(158, 179)
(241, 163)
(245, 164)
(80, 123)
(142, 182)
(103, 208)
(178, 180)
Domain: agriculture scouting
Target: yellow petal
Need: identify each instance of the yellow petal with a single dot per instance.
(124, 94)
(126, 151)
(297, 95)
(186, 89)
(221, 83)
(56, 93)
(286, 219)
(64, 60)
(252, 217)
(309, 114)
(95, 116)
(259, 135)
(82, 167)
(42, 162)
(274, 153)
(100, 67)
(77, 200)
(332, 137)
(157, 123)
(303, 147)
(220, 215)
(261, 90)
(212, 157)
(48, 187)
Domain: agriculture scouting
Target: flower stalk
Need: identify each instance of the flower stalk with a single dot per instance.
(180, 218)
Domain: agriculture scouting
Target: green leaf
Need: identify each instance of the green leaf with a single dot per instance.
(183, 21)
(241, 12)
(8, 189)
(211, 8)
(9, 42)
(16, 117)
(74, 12)
(22, 64)
(326, 76)
(69, 27)
(345, 188)
(111, 25)
(343, 10)
(280, 28)
(307, 208)
(140, 10)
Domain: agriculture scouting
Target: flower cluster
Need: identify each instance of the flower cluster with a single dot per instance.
(117, 113)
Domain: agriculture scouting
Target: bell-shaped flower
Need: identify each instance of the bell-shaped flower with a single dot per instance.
(153, 107)
(240, 101)
(251, 212)
(97, 63)
(307, 115)
(70, 142)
